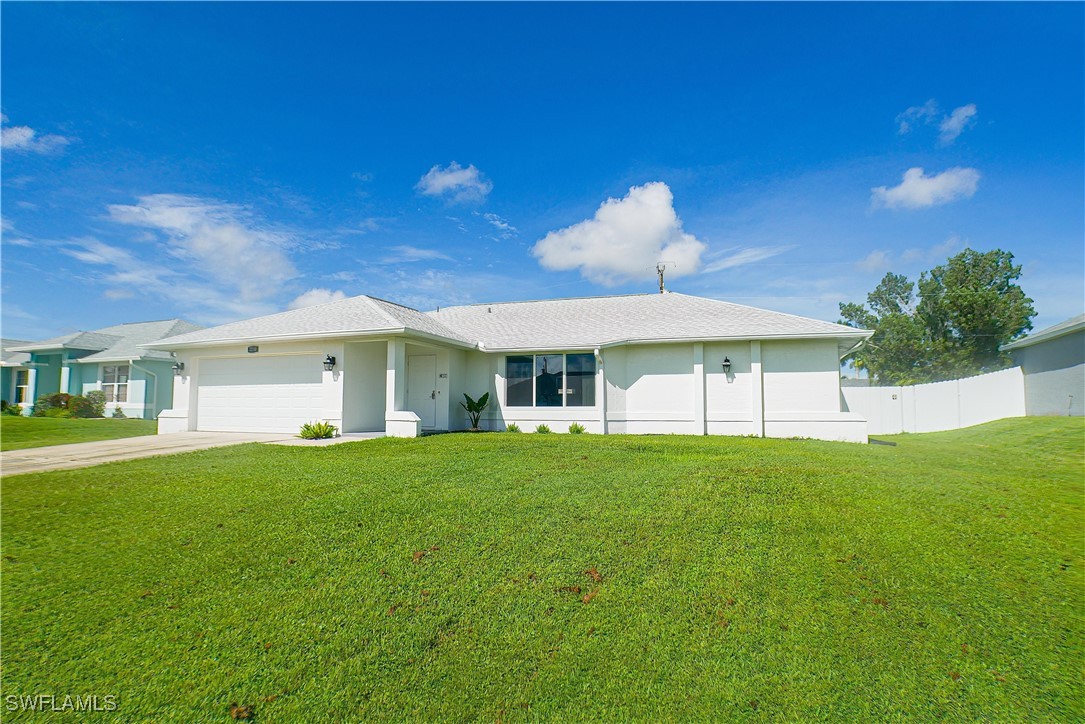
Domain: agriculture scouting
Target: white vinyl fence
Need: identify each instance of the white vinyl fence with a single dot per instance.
(939, 405)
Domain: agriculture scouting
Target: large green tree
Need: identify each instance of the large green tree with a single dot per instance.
(967, 308)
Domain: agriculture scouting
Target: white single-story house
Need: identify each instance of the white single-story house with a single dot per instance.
(1053, 361)
(136, 379)
(646, 363)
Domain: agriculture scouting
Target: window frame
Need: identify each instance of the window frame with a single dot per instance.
(112, 389)
(564, 394)
(22, 391)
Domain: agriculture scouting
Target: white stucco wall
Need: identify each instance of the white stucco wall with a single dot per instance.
(364, 386)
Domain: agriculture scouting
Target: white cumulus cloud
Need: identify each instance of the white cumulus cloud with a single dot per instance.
(917, 190)
(316, 296)
(24, 139)
(455, 183)
(625, 239)
(953, 124)
(875, 261)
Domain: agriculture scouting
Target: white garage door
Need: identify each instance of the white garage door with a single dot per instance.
(259, 394)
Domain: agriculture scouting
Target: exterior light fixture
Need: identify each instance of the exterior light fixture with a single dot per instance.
(178, 368)
(329, 363)
(726, 365)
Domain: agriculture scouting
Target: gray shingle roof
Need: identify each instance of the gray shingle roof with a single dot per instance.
(1074, 324)
(10, 358)
(550, 324)
(354, 316)
(595, 321)
(119, 342)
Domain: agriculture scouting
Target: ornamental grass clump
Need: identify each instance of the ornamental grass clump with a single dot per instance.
(512, 427)
(576, 429)
(542, 429)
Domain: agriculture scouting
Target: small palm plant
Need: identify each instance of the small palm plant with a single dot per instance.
(512, 427)
(542, 429)
(475, 408)
(576, 428)
(318, 430)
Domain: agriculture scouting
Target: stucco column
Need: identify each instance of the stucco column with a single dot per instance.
(757, 380)
(65, 378)
(31, 389)
(395, 393)
(698, 390)
(601, 390)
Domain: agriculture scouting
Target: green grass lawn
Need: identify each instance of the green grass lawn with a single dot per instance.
(445, 578)
(17, 433)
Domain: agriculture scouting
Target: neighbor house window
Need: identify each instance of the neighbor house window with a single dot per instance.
(550, 380)
(115, 383)
(22, 385)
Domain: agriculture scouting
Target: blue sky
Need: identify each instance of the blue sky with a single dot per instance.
(218, 161)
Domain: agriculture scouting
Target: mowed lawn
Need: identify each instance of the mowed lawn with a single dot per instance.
(518, 577)
(18, 433)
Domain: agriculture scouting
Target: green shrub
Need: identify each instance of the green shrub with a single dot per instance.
(542, 429)
(118, 413)
(512, 427)
(80, 407)
(318, 430)
(55, 401)
(97, 401)
(52, 412)
(6, 408)
(576, 428)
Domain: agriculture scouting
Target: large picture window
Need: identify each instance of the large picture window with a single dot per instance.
(550, 380)
(115, 383)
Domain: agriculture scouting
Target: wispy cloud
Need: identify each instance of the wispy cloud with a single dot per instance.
(405, 253)
(624, 240)
(875, 261)
(316, 296)
(24, 139)
(505, 230)
(934, 254)
(953, 124)
(455, 183)
(729, 258)
(949, 127)
(222, 242)
(917, 190)
(916, 115)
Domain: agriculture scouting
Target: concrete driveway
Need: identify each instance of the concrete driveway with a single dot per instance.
(85, 454)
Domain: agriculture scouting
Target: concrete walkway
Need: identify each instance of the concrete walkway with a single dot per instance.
(85, 454)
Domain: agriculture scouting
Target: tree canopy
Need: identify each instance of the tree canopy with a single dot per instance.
(965, 310)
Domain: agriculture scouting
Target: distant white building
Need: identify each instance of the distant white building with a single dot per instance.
(650, 363)
(1053, 361)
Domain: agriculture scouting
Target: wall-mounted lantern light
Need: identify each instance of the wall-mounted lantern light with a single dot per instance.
(178, 368)
(329, 363)
(726, 365)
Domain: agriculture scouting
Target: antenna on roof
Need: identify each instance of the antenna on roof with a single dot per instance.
(661, 267)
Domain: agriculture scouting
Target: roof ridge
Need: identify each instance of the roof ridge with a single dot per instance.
(381, 311)
(555, 299)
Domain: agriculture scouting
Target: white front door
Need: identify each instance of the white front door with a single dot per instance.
(422, 388)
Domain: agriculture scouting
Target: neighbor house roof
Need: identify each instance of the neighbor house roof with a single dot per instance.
(1074, 324)
(10, 358)
(347, 317)
(118, 343)
(550, 324)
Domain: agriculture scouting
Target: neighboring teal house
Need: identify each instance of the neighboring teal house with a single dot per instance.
(139, 381)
